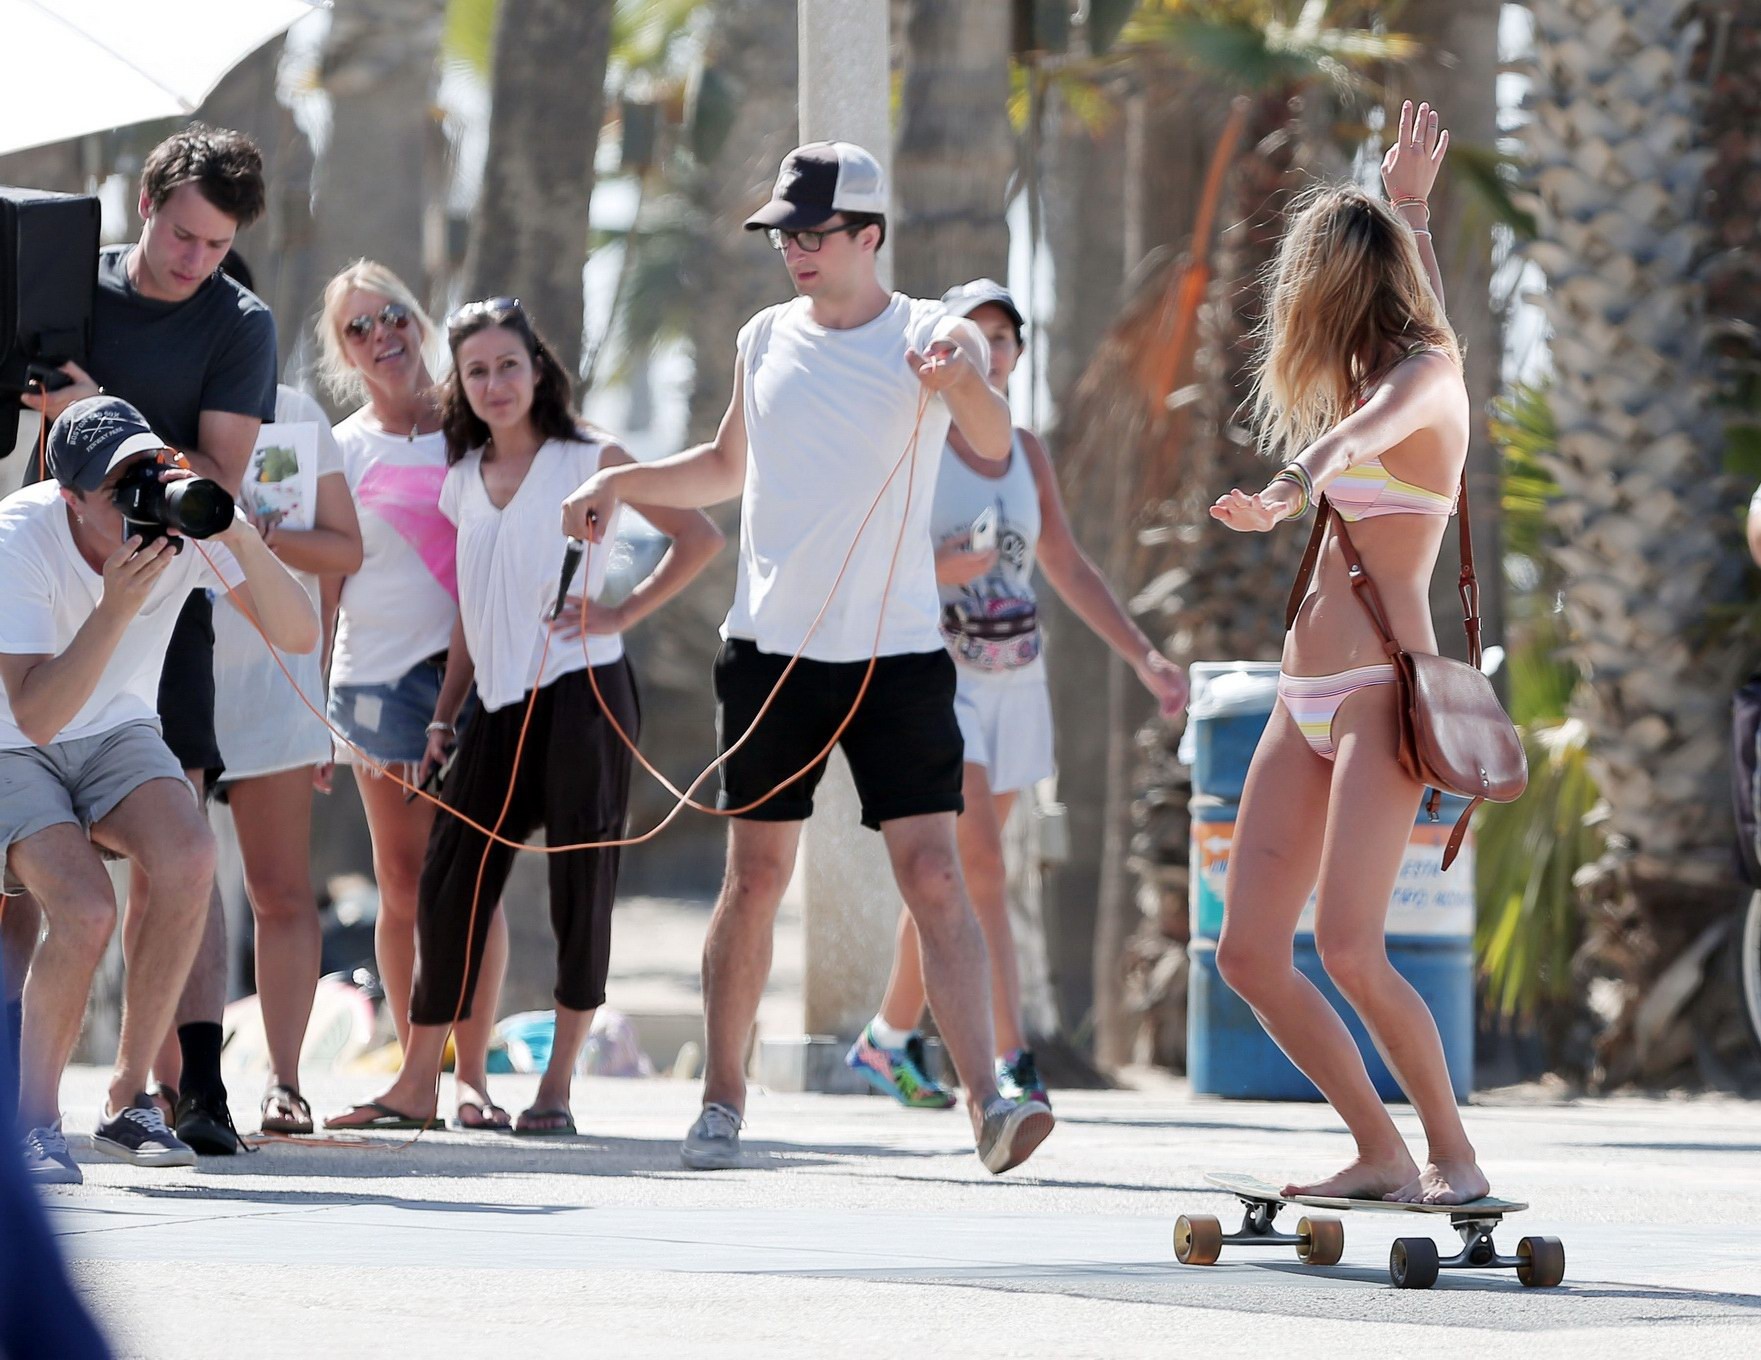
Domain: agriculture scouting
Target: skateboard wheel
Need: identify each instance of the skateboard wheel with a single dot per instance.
(1323, 1241)
(1412, 1263)
(1540, 1262)
(1198, 1240)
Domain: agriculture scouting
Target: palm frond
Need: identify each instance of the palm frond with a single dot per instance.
(1523, 429)
(644, 32)
(1528, 853)
(468, 38)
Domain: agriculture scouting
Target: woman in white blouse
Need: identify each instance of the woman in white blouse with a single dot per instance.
(541, 752)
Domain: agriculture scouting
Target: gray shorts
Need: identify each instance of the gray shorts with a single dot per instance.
(79, 782)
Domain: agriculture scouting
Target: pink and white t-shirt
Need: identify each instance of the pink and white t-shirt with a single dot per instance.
(399, 607)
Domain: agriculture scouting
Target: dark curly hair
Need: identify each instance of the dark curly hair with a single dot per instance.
(225, 165)
(553, 410)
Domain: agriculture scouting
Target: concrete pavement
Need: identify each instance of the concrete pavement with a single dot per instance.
(862, 1229)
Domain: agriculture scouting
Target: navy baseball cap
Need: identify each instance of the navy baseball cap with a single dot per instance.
(92, 436)
(818, 180)
(967, 298)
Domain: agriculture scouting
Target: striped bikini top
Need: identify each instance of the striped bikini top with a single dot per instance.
(1370, 490)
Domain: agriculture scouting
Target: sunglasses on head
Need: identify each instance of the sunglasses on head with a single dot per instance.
(394, 316)
(495, 308)
(810, 241)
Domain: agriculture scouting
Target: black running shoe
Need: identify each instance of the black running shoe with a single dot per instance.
(206, 1125)
(139, 1135)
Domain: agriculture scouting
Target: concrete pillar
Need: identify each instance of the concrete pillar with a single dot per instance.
(845, 82)
(851, 903)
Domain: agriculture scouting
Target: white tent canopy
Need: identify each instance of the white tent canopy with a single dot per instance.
(80, 66)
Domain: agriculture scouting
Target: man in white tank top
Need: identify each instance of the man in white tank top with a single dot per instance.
(828, 389)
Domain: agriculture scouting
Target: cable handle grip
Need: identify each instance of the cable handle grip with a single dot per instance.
(571, 564)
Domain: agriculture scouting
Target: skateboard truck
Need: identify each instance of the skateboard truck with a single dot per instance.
(1413, 1262)
(1319, 1239)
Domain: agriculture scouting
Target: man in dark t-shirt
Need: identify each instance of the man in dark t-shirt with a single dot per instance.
(194, 352)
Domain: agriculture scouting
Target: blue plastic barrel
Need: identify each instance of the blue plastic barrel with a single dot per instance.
(1430, 917)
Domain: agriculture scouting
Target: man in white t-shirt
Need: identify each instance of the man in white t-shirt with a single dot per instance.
(830, 389)
(85, 619)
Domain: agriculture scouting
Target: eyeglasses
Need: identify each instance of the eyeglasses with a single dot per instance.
(394, 316)
(810, 241)
(496, 308)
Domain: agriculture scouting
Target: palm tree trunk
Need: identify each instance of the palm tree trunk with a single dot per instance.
(955, 149)
(529, 230)
(279, 246)
(374, 189)
(1649, 549)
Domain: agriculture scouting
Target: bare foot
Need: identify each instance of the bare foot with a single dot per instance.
(1363, 1179)
(1445, 1181)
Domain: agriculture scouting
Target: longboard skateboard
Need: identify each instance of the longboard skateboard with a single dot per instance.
(1413, 1262)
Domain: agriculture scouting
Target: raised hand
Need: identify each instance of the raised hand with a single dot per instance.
(1410, 168)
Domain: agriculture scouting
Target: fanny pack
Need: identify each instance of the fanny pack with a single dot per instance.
(956, 618)
(1454, 734)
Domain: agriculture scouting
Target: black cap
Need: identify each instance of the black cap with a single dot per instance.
(967, 298)
(818, 180)
(92, 436)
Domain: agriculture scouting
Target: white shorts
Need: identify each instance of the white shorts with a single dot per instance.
(1007, 723)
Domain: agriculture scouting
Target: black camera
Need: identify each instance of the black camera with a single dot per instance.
(194, 506)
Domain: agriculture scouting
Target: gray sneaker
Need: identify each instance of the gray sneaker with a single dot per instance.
(1012, 1130)
(47, 1160)
(139, 1135)
(714, 1141)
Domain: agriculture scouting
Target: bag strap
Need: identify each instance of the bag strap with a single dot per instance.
(1467, 584)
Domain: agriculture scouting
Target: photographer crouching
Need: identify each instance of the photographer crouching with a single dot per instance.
(97, 572)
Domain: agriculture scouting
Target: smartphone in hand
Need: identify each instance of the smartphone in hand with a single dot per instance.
(983, 534)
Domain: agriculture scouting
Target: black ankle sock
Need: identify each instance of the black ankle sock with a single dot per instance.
(14, 1037)
(200, 1041)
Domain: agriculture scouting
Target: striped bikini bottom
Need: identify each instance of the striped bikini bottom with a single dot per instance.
(1313, 700)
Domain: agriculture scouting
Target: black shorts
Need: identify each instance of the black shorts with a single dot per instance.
(186, 689)
(904, 746)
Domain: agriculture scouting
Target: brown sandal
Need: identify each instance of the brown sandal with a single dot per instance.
(293, 1115)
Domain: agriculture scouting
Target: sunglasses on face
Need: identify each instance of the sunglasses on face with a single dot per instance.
(495, 308)
(394, 316)
(810, 241)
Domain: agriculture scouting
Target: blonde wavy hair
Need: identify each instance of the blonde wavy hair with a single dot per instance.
(341, 377)
(1346, 292)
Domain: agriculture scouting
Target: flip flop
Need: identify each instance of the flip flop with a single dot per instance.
(299, 1122)
(384, 1118)
(563, 1130)
(486, 1120)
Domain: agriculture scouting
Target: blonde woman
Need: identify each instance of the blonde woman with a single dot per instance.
(394, 619)
(1360, 389)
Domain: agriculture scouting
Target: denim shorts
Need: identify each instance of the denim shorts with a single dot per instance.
(389, 722)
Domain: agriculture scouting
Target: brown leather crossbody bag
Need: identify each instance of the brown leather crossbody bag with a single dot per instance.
(1454, 734)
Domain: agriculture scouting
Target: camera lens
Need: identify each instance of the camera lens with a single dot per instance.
(198, 507)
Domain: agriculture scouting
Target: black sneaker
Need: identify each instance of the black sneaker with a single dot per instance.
(139, 1135)
(206, 1125)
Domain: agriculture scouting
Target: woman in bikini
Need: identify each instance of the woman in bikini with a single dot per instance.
(1360, 387)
